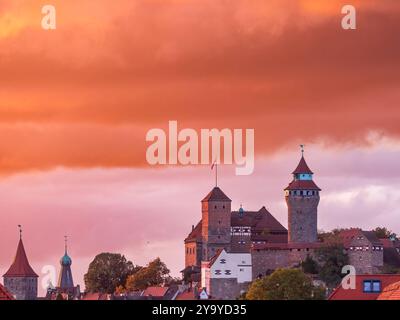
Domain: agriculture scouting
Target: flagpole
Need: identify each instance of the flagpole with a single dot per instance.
(216, 174)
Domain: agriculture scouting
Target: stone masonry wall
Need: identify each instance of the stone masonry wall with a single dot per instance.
(23, 288)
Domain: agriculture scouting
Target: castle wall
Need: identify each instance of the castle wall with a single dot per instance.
(263, 261)
(364, 258)
(226, 289)
(23, 288)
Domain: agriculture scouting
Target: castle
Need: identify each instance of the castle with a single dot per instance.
(231, 248)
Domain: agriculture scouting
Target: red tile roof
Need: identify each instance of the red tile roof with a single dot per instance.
(216, 194)
(302, 167)
(358, 293)
(4, 294)
(189, 294)
(20, 267)
(155, 292)
(260, 221)
(391, 292)
(195, 234)
(214, 258)
(348, 235)
(302, 185)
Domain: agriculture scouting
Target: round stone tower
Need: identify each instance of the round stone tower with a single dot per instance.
(20, 279)
(302, 198)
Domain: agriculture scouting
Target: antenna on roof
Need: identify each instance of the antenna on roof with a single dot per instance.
(20, 231)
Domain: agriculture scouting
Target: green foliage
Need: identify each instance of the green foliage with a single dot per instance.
(384, 233)
(309, 265)
(107, 272)
(155, 273)
(285, 284)
(331, 257)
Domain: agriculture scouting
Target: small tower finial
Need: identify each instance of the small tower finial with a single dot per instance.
(302, 149)
(66, 243)
(20, 231)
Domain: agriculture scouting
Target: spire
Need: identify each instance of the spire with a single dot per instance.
(20, 266)
(65, 279)
(66, 244)
(302, 167)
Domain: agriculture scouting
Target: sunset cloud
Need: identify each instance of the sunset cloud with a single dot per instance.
(116, 71)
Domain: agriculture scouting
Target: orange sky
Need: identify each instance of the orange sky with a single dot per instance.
(87, 93)
(76, 103)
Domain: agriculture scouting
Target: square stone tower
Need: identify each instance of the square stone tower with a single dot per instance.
(216, 223)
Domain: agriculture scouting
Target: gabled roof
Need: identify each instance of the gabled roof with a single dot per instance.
(4, 294)
(391, 292)
(348, 235)
(358, 293)
(258, 220)
(302, 167)
(155, 292)
(216, 194)
(195, 234)
(189, 294)
(215, 257)
(20, 267)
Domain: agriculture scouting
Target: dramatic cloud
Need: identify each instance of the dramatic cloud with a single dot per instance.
(285, 68)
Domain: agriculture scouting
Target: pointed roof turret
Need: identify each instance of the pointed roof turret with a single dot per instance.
(302, 167)
(216, 194)
(20, 267)
(302, 176)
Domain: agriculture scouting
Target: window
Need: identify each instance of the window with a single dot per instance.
(367, 286)
(217, 272)
(241, 270)
(376, 286)
(222, 261)
(373, 286)
(227, 272)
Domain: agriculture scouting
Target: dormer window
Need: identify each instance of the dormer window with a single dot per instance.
(372, 286)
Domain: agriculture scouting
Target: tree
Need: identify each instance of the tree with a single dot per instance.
(107, 272)
(384, 233)
(155, 273)
(284, 284)
(331, 257)
(309, 265)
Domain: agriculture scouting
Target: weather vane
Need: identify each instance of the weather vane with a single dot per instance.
(20, 231)
(302, 149)
(66, 242)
